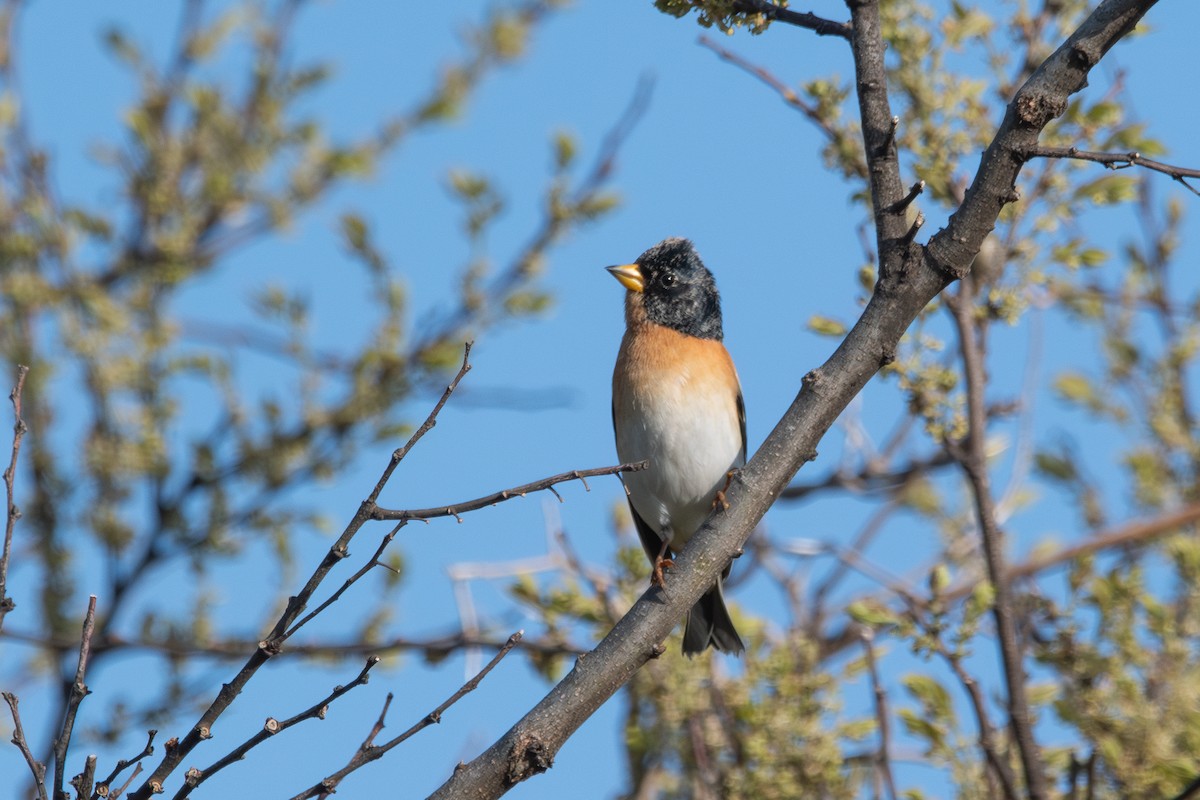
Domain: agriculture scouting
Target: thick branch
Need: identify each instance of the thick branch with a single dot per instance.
(879, 136)
(1041, 99)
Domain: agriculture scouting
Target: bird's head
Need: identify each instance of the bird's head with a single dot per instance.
(674, 288)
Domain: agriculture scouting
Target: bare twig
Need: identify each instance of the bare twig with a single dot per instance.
(1116, 161)
(972, 455)
(85, 781)
(987, 738)
(879, 136)
(363, 570)
(883, 759)
(13, 513)
(435, 647)
(788, 95)
(906, 201)
(78, 690)
(501, 496)
(18, 738)
(426, 426)
(871, 477)
(102, 788)
(270, 646)
(120, 790)
(368, 751)
(1135, 532)
(801, 19)
(273, 726)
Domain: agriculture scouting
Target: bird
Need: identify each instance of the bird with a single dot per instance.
(677, 403)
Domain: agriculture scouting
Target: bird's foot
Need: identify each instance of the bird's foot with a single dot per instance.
(661, 565)
(719, 499)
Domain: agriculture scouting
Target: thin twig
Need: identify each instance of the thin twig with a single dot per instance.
(102, 787)
(120, 790)
(13, 513)
(789, 96)
(77, 692)
(883, 759)
(1116, 161)
(368, 751)
(505, 494)
(987, 739)
(906, 201)
(871, 477)
(363, 570)
(428, 425)
(272, 727)
(85, 781)
(36, 767)
(801, 19)
(270, 646)
(434, 647)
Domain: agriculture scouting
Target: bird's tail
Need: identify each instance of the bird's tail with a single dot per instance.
(708, 623)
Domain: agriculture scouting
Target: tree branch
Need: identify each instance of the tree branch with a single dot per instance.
(1116, 161)
(271, 645)
(78, 690)
(13, 513)
(879, 136)
(506, 494)
(368, 751)
(103, 788)
(18, 738)
(801, 19)
(972, 455)
(272, 727)
(787, 94)
(1040, 99)
(883, 758)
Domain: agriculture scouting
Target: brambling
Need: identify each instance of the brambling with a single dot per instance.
(677, 403)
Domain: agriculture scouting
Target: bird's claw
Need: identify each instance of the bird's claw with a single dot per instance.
(661, 565)
(719, 499)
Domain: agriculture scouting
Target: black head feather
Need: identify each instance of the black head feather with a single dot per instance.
(679, 291)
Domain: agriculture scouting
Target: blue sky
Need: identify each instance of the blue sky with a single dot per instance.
(717, 158)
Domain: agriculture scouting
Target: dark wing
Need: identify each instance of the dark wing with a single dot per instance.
(741, 409)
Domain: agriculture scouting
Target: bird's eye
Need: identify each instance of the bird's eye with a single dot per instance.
(667, 280)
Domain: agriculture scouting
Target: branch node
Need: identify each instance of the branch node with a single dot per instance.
(906, 201)
(912, 231)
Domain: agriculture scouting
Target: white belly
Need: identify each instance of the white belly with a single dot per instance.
(689, 432)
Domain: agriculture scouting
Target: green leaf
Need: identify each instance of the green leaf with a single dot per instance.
(825, 326)
(868, 613)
